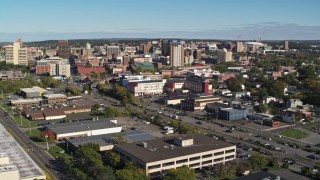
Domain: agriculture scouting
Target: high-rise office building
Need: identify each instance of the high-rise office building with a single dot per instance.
(16, 55)
(165, 47)
(64, 50)
(112, 51)
(176, 55)
(286, 45)
(147, 48)
(240, 47)
(224, 56)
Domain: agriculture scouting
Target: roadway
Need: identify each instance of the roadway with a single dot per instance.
(251, 134)
(50, 166)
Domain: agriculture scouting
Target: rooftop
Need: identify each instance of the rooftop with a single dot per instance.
(54, 95)
(79, 126)
(26, 100)
(33, 89)
(28, 169)
(106, 139)
(164, 148)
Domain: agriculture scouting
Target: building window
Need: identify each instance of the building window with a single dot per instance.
(219, 153)
(217, 160)
(182, 161)
(154, 166)
(229, 157)
(194, 158)
(206, 156)
(194, 165)
(230, 151)
(206, 162)
(168, 164)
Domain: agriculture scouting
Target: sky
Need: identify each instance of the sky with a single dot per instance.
(35, 20)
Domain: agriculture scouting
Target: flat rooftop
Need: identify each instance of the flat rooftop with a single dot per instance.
(165, 148)
(28, 169)
(55, 95)
(79, 126)
(33, 89)
(106, 139)
(26, 100)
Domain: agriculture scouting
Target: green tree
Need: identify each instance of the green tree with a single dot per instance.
(273, 162)
(72, 90)
(113, 159)
(86, 87)
(257, 161)
(214, 83)
(130, 172)
(234, 84)
(181, 173)
(261, 108)
(307, 171)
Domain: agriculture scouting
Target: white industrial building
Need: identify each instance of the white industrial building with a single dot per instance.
(146, 87)
(82, 129)
(15, 163)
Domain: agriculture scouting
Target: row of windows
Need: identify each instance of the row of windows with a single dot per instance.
(194, 159)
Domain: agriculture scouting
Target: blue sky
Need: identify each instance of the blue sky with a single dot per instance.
(215, 19)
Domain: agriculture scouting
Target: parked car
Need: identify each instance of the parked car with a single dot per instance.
(313, 157)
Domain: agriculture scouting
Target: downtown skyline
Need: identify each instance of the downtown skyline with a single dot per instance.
(248, 20)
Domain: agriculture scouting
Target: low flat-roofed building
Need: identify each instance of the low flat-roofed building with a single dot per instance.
(173, 84)
(54, 99)
(21, 166)
(33, 92)
(82, 128)
(11, 76)
(106, 141)
(157, 156)
(26, 102)
(199, 103)
(151, 87)
(50, 112)
(231, 114)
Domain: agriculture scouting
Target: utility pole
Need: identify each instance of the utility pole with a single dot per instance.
(46, 136)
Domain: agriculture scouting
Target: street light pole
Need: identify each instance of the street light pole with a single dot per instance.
(29, 127)
(21, 120)
(46, 136)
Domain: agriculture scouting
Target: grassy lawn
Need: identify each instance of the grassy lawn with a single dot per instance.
(311, 125)
(34, 135)
(58, 153)
(25, 122)
(294, 133)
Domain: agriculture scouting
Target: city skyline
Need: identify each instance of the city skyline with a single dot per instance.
(246, 20)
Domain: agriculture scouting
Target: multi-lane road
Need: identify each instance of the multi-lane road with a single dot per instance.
(50, 166)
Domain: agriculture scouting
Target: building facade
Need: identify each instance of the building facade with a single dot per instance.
(16, 54)
(156, 157)
(64, 49)
(146, 87)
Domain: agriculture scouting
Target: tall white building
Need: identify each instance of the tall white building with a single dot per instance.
(240, 47)
(60, 69)
(112, 51)
(224, 56)
(176, 55)
(16, 55)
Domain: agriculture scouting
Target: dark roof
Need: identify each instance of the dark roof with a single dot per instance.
(164, 148)
(62, 109)
(106, 139)
(176, 81)
(53, 113)
(259, 176)
(62, 128)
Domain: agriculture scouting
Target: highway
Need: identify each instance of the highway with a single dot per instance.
(49, 165)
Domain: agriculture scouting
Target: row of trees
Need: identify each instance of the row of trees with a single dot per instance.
(119, 92)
